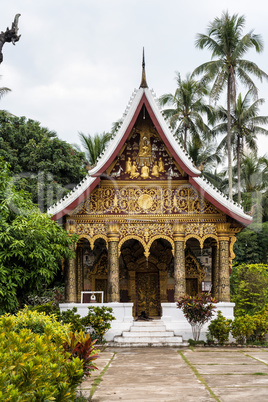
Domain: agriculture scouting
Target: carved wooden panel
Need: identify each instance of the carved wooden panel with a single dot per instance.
(147, 293)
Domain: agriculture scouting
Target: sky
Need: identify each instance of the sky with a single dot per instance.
(78, 61)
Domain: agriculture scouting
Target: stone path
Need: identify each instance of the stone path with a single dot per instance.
(169, 374)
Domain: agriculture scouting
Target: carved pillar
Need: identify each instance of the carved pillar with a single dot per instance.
(224, 279)
(215, 271)
(179, 262)
(70, 282)
(80, 279)
(113, 263)
(163, 286)
(132, 286)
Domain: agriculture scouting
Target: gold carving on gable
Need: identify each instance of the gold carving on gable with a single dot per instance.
(134, 198)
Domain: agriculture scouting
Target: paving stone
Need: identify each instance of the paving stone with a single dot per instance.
(232, 368)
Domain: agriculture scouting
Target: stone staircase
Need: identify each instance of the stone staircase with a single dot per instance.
(148, 333)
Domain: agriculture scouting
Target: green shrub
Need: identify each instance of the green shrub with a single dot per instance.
(98, 321)
(249, 288)
(41, 323)
(219, 328)
(243, 327)
(72, 318)
(261, 322)
(33, 367)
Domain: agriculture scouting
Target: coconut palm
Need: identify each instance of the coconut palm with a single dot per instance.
(206, 157)
(4, 91)
(245, 125)
(94, 146)
(188, 105)
(228, 45)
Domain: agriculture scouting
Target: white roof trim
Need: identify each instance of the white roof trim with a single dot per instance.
(223, 200)
(113, 144)
(72, 196)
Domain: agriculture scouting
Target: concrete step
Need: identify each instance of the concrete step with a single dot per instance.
(140, 334)
(147, 328)
(152, 323)
(148, 340)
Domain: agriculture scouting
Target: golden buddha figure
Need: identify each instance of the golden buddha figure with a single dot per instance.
(161, 165)
(134, 171)
(145, 149)
(145, 171)
(128, 165)
(155, 170)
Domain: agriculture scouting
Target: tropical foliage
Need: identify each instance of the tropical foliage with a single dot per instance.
(228, 46)
(34, 366)
(188, 107)
(197, 310)
(40, 162)
(249, 288)
(31, 244)
(94, 146)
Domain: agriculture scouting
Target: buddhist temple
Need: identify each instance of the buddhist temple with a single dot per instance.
(151, 228)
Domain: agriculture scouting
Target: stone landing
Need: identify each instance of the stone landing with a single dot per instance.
(148, 333)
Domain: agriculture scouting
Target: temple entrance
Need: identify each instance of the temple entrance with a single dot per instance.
(147, 286)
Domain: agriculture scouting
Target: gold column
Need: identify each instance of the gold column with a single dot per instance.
(113, 264)
(224, 279)
(215, 271)
(179, 261)
(70, 282)
(132, 286)
(163, 286)
(80, 279)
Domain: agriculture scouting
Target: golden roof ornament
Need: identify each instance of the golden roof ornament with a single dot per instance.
(143, 77)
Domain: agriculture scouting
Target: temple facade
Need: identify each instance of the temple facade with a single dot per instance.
(151, 228)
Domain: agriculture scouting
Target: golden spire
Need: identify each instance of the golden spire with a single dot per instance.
(143, 77)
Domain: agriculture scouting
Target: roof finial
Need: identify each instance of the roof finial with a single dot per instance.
(143, 77)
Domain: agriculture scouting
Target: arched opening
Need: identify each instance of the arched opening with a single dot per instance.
(198, 266)
(95, 269)
(143, 281)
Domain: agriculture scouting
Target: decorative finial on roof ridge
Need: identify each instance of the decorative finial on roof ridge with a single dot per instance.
(143, 77)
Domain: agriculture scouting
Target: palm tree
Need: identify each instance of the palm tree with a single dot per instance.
(3, 91)
(206, 157)
(186, 114)
(94, 146)
(245, 125)
(228, 46)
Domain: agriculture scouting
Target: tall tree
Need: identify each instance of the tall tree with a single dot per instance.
(40, 162)
(228, 45)
(188, 106)
(31, 244)
(94, 146)
(246, 124)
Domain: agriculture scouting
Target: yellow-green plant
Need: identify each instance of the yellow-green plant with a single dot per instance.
(219, 328)
(33, 367)
(40, 323)
(243, 327)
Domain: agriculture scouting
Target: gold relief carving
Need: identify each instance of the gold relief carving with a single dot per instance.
(223, 229)
(179, 270)
(113, 272)
(71, 283)
(215, 272)
(224, 280)
(200, 229)
(145, 201)
(193, 269)
(166, 199)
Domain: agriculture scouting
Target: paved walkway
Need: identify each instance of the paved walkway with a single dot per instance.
(169, 374)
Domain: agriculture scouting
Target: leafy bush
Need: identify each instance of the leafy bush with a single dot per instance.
(219, 328)
(261, 322)
(33, 367)
(243, 327)
(40, 323)
(98, 321)
(81, 345)
(52, 296)
(197, 310)
(249, 288)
